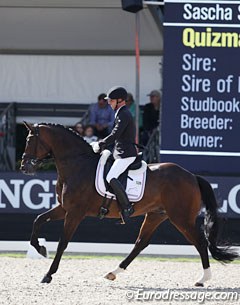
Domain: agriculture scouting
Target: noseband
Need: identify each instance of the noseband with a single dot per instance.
(32, 159)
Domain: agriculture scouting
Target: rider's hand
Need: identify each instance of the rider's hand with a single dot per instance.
(95, 147)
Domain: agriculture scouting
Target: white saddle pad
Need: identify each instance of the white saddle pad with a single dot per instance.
(135, 185)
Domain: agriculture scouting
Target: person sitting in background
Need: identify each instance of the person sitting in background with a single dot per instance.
(79, 128)
(130, 103)
(151, 115)
(101, 117)
(89, 134)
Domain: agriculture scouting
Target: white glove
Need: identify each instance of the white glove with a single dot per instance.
(95, 147)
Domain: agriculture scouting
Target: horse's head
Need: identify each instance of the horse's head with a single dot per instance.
(36, 150)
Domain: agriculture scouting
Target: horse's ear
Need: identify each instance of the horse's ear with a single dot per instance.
(28, 126)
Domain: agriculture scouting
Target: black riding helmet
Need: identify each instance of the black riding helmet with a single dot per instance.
(116, 93)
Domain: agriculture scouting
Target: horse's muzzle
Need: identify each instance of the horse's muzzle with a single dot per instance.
(28, 167)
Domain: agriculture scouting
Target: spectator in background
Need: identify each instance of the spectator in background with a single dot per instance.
(130, 103)
(79, 128)
(89, 134)
(101, 117)
(151, 115)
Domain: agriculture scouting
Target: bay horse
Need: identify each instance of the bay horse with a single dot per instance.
(171, 192)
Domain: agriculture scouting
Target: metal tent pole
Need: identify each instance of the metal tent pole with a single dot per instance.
(137, 52)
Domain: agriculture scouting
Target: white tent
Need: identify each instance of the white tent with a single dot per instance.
(72, 50)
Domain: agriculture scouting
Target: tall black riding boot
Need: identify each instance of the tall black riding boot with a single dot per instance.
(122, 198)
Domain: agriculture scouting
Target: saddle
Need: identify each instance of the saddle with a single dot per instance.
(133, 179)
(124, 176)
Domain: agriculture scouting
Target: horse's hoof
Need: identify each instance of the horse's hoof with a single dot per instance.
(43, 251)
(110, 276)
(47, 279)
(199, 284)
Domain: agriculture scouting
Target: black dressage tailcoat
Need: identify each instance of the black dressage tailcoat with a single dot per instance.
(122, 136)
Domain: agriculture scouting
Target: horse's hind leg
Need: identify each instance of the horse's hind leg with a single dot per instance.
(149, 225)
(196, 237)
(72, 220)
(56, 213)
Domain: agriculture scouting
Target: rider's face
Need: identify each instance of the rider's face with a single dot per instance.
(112, 103)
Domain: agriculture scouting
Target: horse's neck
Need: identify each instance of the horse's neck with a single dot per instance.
(68, 151)
(62, 143)
(76, 165)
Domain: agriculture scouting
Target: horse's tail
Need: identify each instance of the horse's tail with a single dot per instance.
(211, 224)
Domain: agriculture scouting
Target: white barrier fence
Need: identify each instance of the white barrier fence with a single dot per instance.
(104, 248)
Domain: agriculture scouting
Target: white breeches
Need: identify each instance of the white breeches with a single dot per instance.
(118, 167)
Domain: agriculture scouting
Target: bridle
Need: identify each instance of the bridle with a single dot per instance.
(32, 159)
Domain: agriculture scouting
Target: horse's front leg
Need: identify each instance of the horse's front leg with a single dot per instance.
(56, 213)
(72, 220)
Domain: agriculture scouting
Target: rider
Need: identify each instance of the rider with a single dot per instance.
(123, 137)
